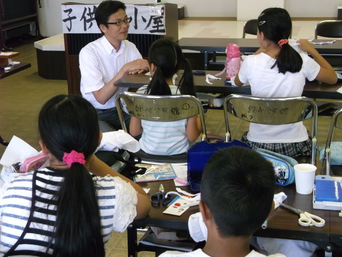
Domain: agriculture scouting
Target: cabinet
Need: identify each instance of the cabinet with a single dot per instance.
(17, 18)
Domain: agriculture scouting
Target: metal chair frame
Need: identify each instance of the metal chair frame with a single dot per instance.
(272, 111)
(335, 122)
(160, 108)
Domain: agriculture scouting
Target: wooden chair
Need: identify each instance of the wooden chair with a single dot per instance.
(160, 108)
(272, 111)
(335, 123)
(329, 28)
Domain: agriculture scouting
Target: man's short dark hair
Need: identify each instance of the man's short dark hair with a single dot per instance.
(106, 9)
(238, 187)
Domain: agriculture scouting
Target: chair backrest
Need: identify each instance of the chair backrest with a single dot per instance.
(160, 108)
(271, 111)
(335, 122)
(329, 28)
(250, 27)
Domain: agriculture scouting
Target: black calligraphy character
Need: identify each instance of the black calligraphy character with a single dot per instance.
(69, 19)
(158, 25)
(88, 17)
(135, 23)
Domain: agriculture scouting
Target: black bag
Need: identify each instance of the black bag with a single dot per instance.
(123, 162)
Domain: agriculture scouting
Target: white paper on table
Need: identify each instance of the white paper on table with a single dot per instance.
(116, 140)
(17, 151)
(181, 172)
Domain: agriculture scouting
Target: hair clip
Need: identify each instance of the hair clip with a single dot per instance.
(261, 23)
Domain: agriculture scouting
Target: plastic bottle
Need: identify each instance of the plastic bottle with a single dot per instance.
(233, 60)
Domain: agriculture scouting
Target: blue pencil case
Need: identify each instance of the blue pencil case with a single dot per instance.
(327, 193)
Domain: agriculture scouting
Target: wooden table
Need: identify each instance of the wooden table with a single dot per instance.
(312, 89)
(213, 45)
(282, 224)
(14, 69)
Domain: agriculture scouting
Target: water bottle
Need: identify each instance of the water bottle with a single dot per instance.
(233, 60)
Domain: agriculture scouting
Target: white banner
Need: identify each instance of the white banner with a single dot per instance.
(80, 19)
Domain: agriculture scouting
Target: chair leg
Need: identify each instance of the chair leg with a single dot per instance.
(3, 142)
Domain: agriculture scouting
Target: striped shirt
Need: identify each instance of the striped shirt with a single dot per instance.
(117, 201)
(164, 138)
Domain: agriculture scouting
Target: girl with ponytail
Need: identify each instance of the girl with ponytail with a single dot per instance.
(165, 59)
(278, 70)
(64, 209)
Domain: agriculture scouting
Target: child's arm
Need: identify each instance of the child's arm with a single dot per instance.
(193, 128)
(135, 128)
(237, 81)
(327, 73)
(99, 168)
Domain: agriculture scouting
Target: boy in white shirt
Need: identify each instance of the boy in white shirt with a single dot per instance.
(237, 192)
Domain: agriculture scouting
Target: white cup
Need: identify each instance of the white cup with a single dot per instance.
(304, 178)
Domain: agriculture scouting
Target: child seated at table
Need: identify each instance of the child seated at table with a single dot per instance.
(278, 70)
(64, 209)
(237, 192)
(165, 58)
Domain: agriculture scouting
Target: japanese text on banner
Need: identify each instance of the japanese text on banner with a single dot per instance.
(146, 19)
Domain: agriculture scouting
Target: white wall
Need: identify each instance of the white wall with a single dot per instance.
(312, 8)
(50, 18)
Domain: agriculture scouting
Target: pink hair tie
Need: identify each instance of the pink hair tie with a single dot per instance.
(72, 157)
(282, 42)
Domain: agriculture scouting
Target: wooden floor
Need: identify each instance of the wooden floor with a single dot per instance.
(23, 94)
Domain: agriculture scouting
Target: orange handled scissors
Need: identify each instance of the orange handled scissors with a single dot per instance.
(305, 218)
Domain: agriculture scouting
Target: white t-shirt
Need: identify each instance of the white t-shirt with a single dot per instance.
(99, 63)
(200, 253)
(267, 82)
(164, 138)
(117, 201)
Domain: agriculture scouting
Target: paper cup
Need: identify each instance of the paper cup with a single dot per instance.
(304, 178)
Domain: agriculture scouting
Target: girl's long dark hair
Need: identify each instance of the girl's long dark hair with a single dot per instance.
(69, 123)
(168, 58)
(276, 24)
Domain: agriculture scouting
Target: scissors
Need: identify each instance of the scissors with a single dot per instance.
(305, 218)
(160, 197)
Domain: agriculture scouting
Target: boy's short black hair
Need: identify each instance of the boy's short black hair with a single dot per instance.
(238, 187)
(106, 9)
